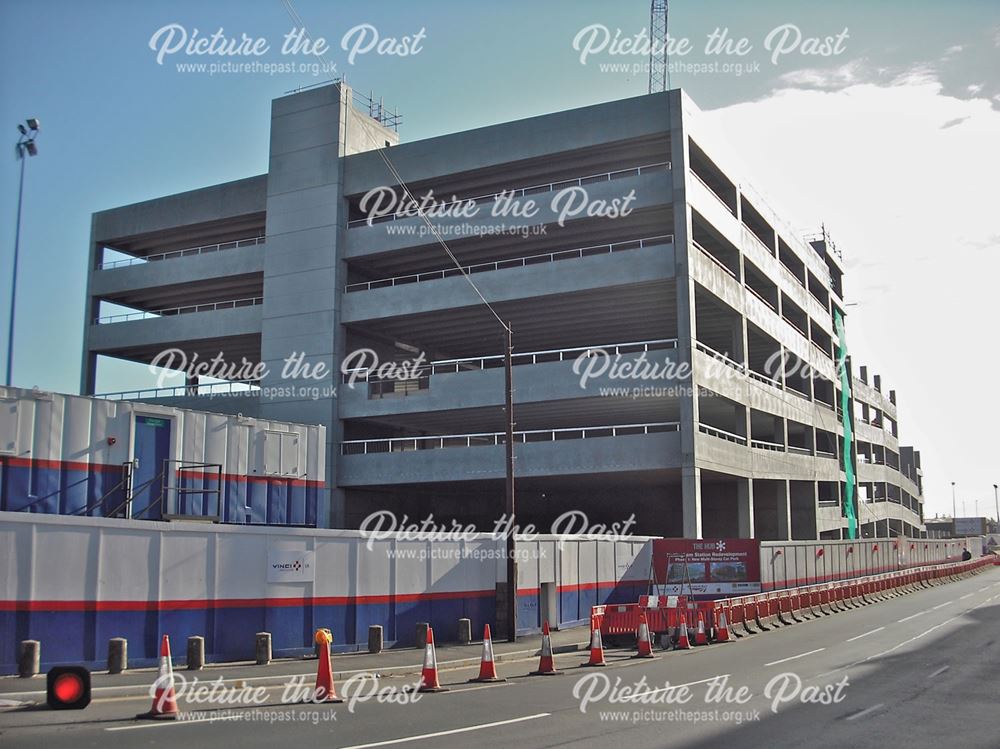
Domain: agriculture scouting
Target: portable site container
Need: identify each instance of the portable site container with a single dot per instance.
(74, 455)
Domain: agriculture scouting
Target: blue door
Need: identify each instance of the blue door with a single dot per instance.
(152, 447)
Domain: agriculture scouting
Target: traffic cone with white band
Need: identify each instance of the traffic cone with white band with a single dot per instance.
(546, 664)
(642, 637)
(596, 645)
(164, 698)
(487, 667)
(429, 676)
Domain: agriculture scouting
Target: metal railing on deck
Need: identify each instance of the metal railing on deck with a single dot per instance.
(203, 250)
(521, 192)
(187, 309)
(739, 439)
(517, 262)
(249, 387)
(451, 366)
(491, 439)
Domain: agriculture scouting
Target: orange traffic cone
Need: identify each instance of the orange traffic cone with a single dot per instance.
(164, 698)
(683, 643)
(722, 631)
(324, 691)
(700, 636)
(546, 664)
(487, 667)
(429, 676)
(596, 646)
(642, 637)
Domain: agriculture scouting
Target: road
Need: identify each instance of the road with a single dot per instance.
(916, 671)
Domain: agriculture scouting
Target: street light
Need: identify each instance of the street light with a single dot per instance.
(954, 513)
(996, 508)
(25, 145)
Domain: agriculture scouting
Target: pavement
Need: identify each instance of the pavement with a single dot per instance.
(393, 662)
(915, 671)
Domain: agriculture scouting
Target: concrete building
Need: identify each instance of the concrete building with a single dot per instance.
(692, 271)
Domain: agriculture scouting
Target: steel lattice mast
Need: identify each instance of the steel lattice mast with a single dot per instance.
(658, 76)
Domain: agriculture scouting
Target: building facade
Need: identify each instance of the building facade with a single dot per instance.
(675, 344)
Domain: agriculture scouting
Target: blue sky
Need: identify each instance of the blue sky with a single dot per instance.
(118, 128)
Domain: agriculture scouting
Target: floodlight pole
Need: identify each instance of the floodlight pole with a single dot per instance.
(25, 146)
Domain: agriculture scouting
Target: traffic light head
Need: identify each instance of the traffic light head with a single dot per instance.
(67, 688)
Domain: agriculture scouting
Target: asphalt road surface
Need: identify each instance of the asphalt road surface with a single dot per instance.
(916, 671)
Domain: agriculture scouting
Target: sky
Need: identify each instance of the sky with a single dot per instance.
(891, 139)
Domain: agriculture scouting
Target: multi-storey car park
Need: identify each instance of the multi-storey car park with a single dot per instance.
(698, 272)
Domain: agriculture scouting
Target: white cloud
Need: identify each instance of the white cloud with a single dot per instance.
(873, 162)
(841, 76)
(974, 88)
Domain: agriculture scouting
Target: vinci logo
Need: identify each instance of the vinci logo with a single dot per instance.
(289, 566)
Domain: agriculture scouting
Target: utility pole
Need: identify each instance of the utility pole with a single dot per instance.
(509, 444)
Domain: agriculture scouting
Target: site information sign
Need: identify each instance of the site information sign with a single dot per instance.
(708, 566)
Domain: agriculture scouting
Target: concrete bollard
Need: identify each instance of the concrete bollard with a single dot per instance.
(375, 638)
(421, 635)
(29, 658)
(465, 631)
(263, 648)
(117, 655)
(196, 653)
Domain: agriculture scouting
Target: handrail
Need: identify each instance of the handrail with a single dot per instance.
(716, 260)
(712, 190)
(760, 296)
(187, 309)
(722, 434)
(765, 379)
(800, 450)
(202, 250)
(479, 439)
(446, 366)
(550, 257)
(765, 445)
(213, 388)
(706, 349)
(520, 192)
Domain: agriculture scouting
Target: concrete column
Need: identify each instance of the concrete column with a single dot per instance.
(29, 658)
(195, 653)
(263, 649)
(691, 500)
(784, 511)
(117, 655)
(686, 320)
(375, 638)
(465, 631)
(744, 507)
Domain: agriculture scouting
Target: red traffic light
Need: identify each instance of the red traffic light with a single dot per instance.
(67, 688)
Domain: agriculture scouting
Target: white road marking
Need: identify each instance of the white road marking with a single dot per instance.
(911, 616)
(939, 672)
(866, 634)
(942, 605)
(452, 732)
(794, 657)
(967, 595)
(162, 723)
(866, 711)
